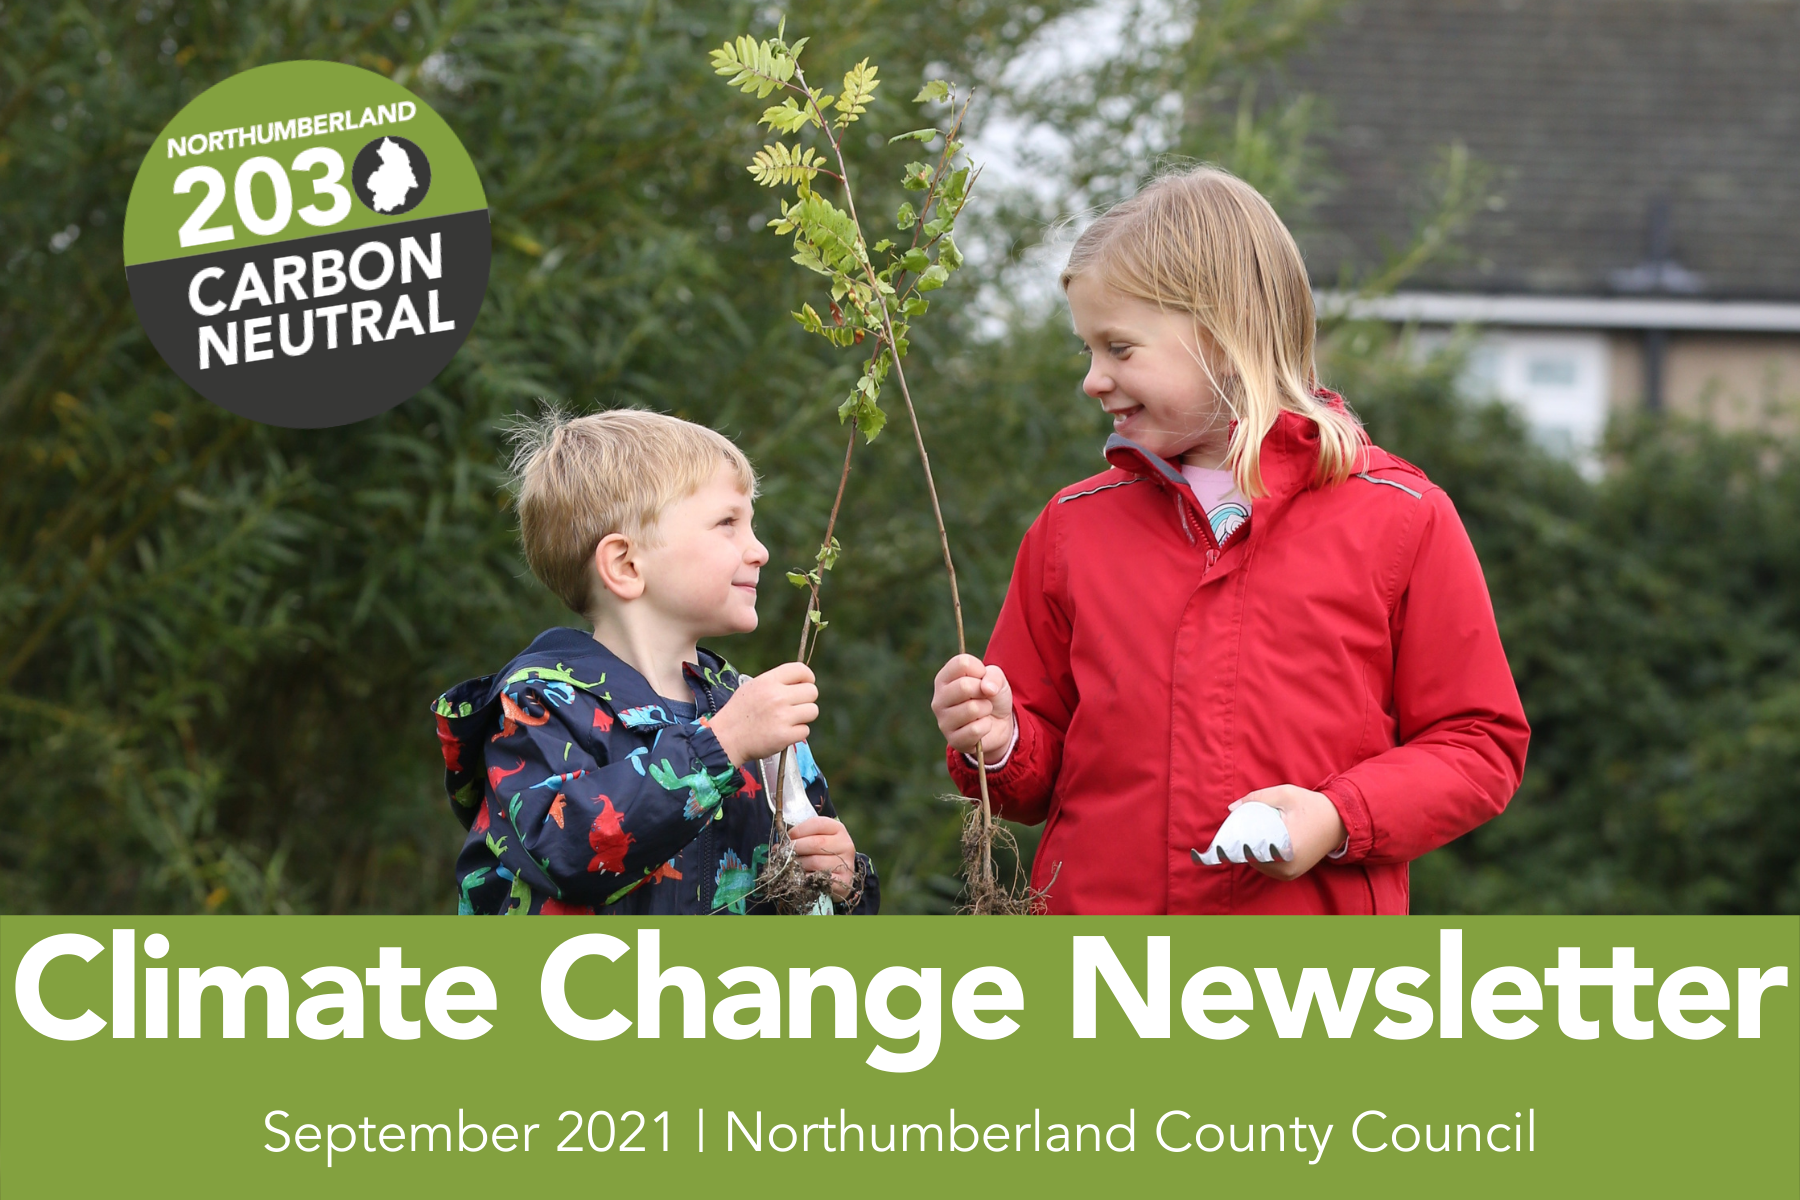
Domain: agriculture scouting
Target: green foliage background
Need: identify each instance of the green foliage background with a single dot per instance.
(217, 640)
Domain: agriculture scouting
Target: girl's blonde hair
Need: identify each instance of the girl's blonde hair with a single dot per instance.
(1202, 241)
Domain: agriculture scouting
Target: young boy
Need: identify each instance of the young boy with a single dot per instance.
(620, 772)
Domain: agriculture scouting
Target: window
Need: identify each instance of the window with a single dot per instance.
(1558, 381)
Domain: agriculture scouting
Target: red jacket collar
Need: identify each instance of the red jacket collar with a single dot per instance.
(1289, 460)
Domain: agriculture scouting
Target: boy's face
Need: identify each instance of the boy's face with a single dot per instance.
(1147, 370)
(702, 576)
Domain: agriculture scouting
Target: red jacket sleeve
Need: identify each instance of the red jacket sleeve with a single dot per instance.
(1462, 731)
(1031, 644)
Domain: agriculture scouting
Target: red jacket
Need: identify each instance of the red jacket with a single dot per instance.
(1343, 641)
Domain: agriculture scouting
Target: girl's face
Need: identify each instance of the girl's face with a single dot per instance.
(1150, 372)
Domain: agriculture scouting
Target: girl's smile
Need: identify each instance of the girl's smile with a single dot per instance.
(1154, 371)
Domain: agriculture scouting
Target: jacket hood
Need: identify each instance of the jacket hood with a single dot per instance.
(559, 658)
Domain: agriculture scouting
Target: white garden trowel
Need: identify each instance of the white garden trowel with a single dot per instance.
(1253, 830)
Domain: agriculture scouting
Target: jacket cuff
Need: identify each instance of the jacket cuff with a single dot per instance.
(869, 903)
(1004, 758)
(1353, 811)
(712, 756)
(963, 771)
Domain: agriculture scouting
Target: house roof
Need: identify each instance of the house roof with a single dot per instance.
(1593, 115)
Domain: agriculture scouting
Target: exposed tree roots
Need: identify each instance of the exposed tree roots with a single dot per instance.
(985, 895)
(793, 890)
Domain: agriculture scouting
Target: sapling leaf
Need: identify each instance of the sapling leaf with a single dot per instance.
(809, 319)
(918, 177)
(949, 255)
(934, 277)
(782, 164)
(883, 246)
(906, 218)
(939, 225)
(754, 66)
(788, 117)
(935, 89)
(817, 618)
(870, 419)
(859, 86)
(915, 260)
(915, 306)
(955, 188)
(797, 579)
(828, 554)
(917, 135)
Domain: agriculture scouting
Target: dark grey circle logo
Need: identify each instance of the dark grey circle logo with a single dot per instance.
(314, 268)
(391, 175)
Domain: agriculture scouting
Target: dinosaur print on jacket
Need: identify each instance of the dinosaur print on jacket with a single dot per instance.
(571, 808)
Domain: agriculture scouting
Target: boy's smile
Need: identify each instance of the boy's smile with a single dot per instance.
(1148, 373)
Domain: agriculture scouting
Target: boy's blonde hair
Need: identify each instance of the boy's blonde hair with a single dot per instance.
(578, 479)
(1202, 241)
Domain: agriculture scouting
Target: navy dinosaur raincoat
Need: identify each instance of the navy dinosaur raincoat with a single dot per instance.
(584, 791)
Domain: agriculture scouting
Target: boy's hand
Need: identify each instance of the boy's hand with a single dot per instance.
(973, 705)
(822, 844)
(1313, 826)
(767, 713)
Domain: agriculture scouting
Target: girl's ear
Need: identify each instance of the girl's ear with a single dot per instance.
(616, 563)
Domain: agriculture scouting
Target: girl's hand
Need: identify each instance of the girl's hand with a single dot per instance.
(822, 844)
(1313, 826)
(973, 706)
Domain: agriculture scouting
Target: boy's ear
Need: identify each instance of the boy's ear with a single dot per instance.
(615, 562)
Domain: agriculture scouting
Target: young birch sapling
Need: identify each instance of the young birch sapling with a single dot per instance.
(871, 306)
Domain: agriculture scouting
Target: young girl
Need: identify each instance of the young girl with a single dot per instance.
(1255, 614)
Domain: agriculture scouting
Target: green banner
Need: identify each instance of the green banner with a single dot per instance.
(382, 1056)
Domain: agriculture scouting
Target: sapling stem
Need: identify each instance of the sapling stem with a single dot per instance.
(986, 864)
(832, 242)
(807, 625)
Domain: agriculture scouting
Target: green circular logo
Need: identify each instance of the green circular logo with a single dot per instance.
(307, 244)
